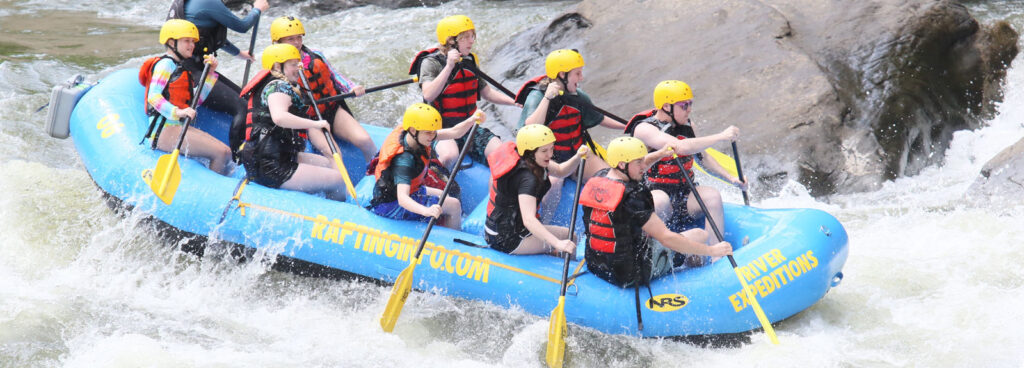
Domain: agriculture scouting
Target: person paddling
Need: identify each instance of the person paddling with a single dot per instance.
(668, 125)
(273, 153)
(169, 90)
(620, 221)
(449, 84)
(555, 100)
(402, 166)
(214, 19)
(325, 81)
(520, 174)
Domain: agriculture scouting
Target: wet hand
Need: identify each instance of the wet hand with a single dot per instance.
(187, 112)
(359, 90)
(742, 184)
(566, 246)
(246, 56)
(454, 56)
(433, 211)
(212, 60)
(480, 117)
(262, 5)
(721, 249)
(582, 152)
(731, 133)
(553, 90)
(321, 124)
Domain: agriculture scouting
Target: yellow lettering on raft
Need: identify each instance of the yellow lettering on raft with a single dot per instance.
(770, 272)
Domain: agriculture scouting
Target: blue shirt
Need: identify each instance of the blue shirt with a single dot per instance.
(211, 13)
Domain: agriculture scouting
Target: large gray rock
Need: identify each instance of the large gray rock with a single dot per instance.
(839, 95)
(1003, 175)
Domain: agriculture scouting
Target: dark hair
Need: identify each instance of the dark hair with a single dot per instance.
(531, 163)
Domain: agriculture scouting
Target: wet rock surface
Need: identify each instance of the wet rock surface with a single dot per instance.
(839, 96)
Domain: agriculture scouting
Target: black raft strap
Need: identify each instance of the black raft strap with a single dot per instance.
(639, 319)
(159, 129)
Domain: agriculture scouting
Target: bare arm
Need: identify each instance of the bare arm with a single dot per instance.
(679, 243)
(538, 115)
(608, 122)
(411, 205)
(433, 89)
(527, 210)
(462, 128)
(279, 104)
(495, 96)
(566, 168)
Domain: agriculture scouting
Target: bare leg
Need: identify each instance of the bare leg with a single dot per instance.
(447, 152)
(492, 145)
(346, 127)
(197, 144)
(534, 245)
(313, 178)
(594, 164)
(451, 210)
(713, 200)
(662, 205)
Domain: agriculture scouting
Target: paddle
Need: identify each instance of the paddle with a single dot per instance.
(252, 45)
(167, 173)
(403, 284)
(765, 324)
(739, 172)
(557, 329)
(330, 140)
(368, 90)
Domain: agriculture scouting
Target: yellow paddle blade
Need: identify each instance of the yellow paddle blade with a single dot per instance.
(399, 293)
(556, 336)
(723, 160)
(166, 177)
(765, 324)
(344, 175)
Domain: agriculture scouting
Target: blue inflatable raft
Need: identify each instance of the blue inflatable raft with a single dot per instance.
(791, 257)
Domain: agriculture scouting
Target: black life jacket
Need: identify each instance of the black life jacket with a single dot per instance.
(504, 162)
(665, 171)
(266, 139)
(615, 250)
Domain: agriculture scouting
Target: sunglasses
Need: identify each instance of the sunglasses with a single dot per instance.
(685, 105)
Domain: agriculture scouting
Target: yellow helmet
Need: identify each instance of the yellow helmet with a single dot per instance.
(562, 61)
(533, 136)
(286, 26)
(670, 92)
(451, 26)
(178, 28)
(421, 116)
(625, 149)
(279, 53)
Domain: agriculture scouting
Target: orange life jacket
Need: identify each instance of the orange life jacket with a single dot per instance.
(603, 195)
(179, 86)
(393, 147)
(320, 78)
(461, 92)
(501, 162)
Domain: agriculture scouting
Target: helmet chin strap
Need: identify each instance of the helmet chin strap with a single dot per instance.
(174, 49)
(671, 114)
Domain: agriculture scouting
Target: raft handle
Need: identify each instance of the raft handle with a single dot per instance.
(837, 278)
(826, 231)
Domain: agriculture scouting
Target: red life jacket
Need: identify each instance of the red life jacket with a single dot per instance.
(391, 148)
(665, 171)
(179, 86)
(603, 195)
(320, 79)
(563, 117)
(461, 92)
(501, 162)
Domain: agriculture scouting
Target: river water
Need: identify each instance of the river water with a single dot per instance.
(933, 277)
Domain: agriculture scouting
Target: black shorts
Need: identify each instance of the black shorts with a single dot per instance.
(332, 110)
(272, 172)
(478, 145)
(505, 242)
(678, 196)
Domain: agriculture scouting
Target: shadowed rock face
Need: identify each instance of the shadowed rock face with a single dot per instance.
(838, 95)
(1003, 175)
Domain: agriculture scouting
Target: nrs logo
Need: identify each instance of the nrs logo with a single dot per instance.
(666, 302)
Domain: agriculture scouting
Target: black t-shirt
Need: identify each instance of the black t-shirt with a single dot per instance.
(506, 218)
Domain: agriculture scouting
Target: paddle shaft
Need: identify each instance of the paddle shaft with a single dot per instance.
(327, 135)
(252, 45)
(765, 324)
(444, 193)
(572, 224)
(368, 90)
(739, 172)
(195, 101)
